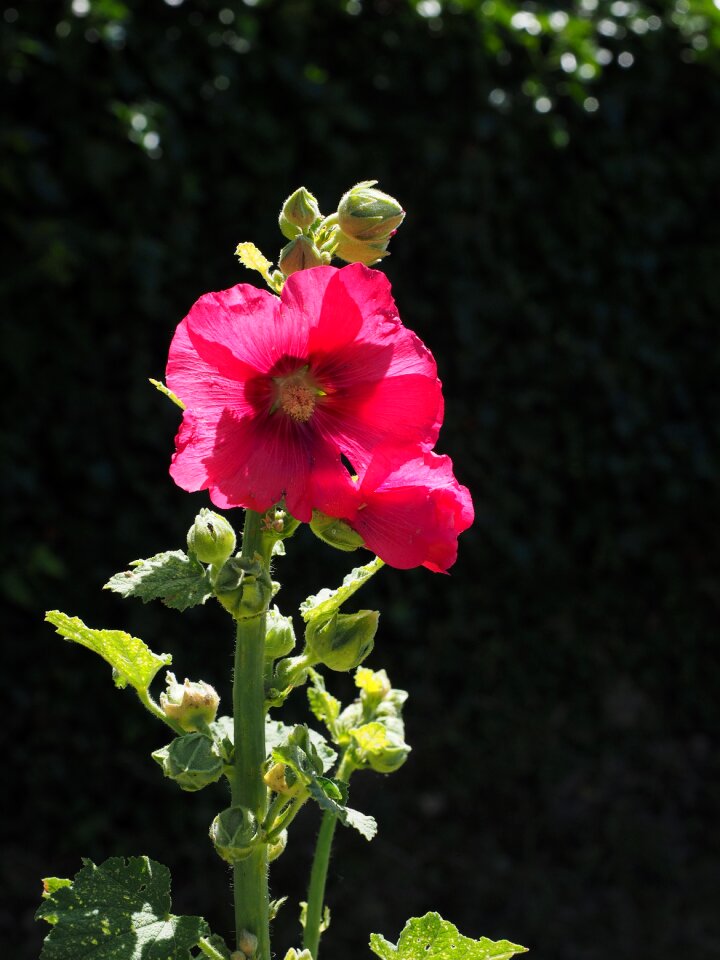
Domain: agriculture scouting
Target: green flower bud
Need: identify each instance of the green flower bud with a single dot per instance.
(192, 705)
(243, 587)
(359, 251)
(391, 758)
(279, 636)
(299, 213)
(344, 640)
(337, 533)
(234, 833)
(277, 847)
(281, 779)
(191, 761)
(211, 538)
(248, 944)
(368, 214)
(299, 254)
(377, 748)
(289, 673)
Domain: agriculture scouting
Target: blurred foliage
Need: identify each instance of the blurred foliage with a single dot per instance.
(560, 256)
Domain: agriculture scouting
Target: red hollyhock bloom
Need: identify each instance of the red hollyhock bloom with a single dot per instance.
(408, 513)
(277, 389)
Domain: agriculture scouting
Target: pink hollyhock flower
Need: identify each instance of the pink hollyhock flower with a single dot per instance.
(408, 513)
(277, 389)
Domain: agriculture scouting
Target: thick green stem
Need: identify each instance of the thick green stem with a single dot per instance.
(318, 874)
(247, 786)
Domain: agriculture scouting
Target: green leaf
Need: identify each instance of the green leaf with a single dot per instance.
(324, 706)
(132, 661)
(432, 938)
(173, 577)
(277, 733)
(250, 257)
(326, 602)
(119, 910)
(365, 825)
(299, 753)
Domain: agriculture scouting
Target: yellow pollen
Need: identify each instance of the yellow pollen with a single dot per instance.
(297, 399)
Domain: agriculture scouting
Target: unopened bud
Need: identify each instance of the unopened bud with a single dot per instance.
(379, 749)
(359, 251)
(300, 254)
(337, 533)
(248, 944)
(281, 779)
(211, 538)
(391, 757)
(365, 213)
(293, 954)
(299, 213)
(243, 587)
(234, 832)
(279, 636)
(344, 640)
(191, 761)
(190, 704)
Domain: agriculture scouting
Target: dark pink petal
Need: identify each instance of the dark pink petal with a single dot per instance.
(412, 515)
(333, 331)
(199, 383)
(245, 324)
(254, 463)
(401, 412)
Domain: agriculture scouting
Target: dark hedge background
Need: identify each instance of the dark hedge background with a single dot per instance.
(561, 257)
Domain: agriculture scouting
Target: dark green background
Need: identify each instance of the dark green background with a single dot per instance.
(564, 267)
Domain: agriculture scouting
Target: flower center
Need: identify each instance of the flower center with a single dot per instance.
(296, 397)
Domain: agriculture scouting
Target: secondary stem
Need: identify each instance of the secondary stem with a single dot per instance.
(247, 787)
(318, 874)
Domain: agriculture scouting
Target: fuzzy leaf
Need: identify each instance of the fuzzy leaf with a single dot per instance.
(299, 753)
(324, 705)
(250, 257)
(119, 910)
(432, 938)
(277, 733)
(173, 577)
(326, 602)
(132, 661)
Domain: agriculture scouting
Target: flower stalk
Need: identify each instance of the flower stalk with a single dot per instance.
(250, 876)
(319, 870)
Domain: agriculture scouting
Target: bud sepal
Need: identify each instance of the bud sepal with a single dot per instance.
(342, 641)
(234, 833)
(365, 213)
(298, 214)
(192, 761)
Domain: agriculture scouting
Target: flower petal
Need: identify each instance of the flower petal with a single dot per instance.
(414, 513)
